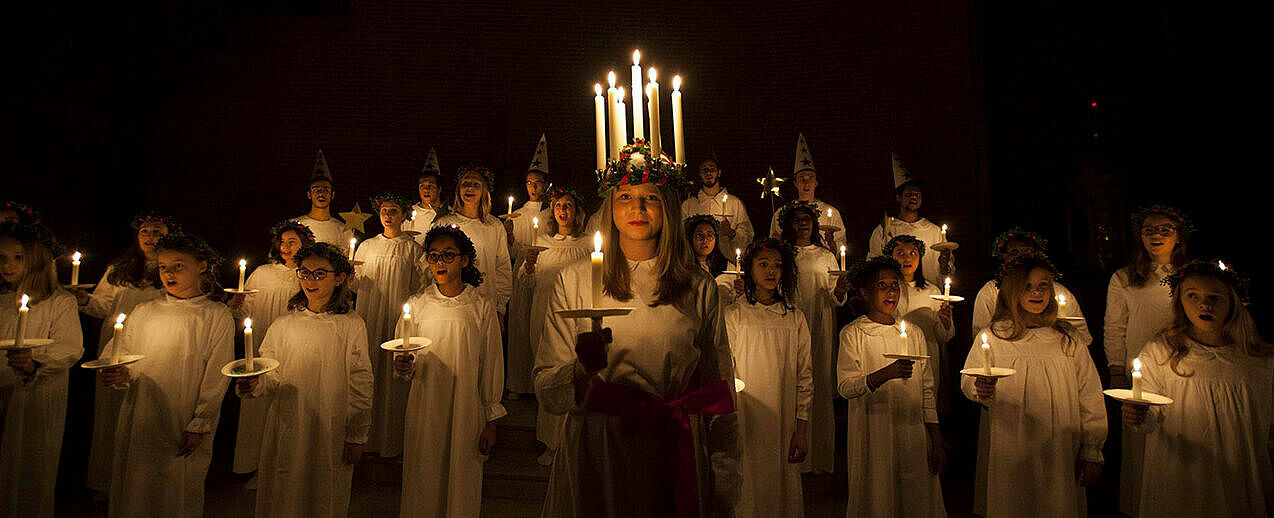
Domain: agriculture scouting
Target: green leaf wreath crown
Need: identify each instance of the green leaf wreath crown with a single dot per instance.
(634, 166)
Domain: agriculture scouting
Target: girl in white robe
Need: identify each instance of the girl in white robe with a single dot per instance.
(163, 440)
(1008, 246)
(275, 283)
(1208, 451)
(129, 280)
(702, 232)
(894, 445)
(818, 294)
(456, 384)
(35, 411)
(670, 349)
(320, 412)
(919, 309)
(1043, 427)
(471, 212)
(771, 345)
(389, 274)
(1138, 306)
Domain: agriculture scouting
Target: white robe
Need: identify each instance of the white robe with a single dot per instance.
(887, 441)
(322, 399)
(455, 392)
(421, 224)
(1133, 317)
(332, 231)
(277, 284)
(923, 230)
(391, 272)
(35, 415)
(493, 255)
(523, 233)
(601, 469)
(1208, 450)
(920, 310)
(732, 209)
(1040, 421)
(816, 299)
(176, 388)
(520, 357)
(107, 301)
(984, 308)
(823, 219)
(771, 349)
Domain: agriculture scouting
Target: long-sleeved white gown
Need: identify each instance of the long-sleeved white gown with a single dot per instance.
(277, 284)
(816, 299)
(492, 246)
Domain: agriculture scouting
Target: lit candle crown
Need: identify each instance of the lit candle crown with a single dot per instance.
(636, 57)
(652, 75)
(610, 78)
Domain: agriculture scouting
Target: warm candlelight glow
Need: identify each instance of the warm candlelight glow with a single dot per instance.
(610, 78)
(1061, 299)
(652, 75)
(1221, 265)
(619, 94)
(119, 320)
(535, 222)
(406, 310)
(1136, 365)
(597, 241)
(902, 327)
(597, 87)
(676, 83)
(636, 57)
(247, 325)
(23, 304)
(75, 258)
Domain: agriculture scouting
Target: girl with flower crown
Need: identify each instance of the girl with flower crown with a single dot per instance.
(1042, 428)
(33, 382)
(650, 426)
(1209, 450)
(471, 212)
(172, 400)
(770, 342)
(1138, 306)
(1008, 246)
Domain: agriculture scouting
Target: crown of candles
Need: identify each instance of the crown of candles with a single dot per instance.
(612, 116)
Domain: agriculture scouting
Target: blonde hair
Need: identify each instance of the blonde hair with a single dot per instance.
(1238, 329)
(577, 223)
(484, 203)
(39, 278)
(672, 257)
(1009, 310)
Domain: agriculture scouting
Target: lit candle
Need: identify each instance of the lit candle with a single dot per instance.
(248, 347)
(610, 105)
(678, 132)
(352, 242)
(842, 257)
(243, 268)
(413, 215)
(75, 267)
(406, 325)
(944, 234)
(652, 93)
(738, 259)
(639, 130)
(22, 321)
(599, 115)
(510, 205)
(829, 213)
(119, 328)
(621, 112)
(1136, 378)
(1061, 299)
(1219, 264)
(535, 222)
(902, 328)
(597, 269)
(986, 354)
(946, 289)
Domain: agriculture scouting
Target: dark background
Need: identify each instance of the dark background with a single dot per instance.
(212, 111)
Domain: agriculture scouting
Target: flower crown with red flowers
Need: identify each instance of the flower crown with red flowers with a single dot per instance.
(1184, 225)
(486, 174)
(1031, 260)
(888, 250)
(634, 166)
(1217, 269)
(769, 243)
(1017, 234)
(26, 213)
(390, 197)
(27, 231)
(786, 211)
(151, 217)
(556, 192)
(302, 231)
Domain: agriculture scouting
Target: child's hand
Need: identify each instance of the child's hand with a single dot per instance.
(1134, 414)
(829, 239)
(247, 384)
(81, 296)
(236, 301)
(404, 365)
(1087, 472)
(944, 262)
(190, 441)
(944, 315)
(508, 230)
(798, 446)
(726, 229)
(351, 453)
(738, 284)
(984, 386)
(20, 360)
(115, 376)
(842, 285)
(531, 256)
(899, 369)
(486, 441)
(591, 350)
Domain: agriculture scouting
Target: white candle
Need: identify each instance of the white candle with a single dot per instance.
(1136, 378)
(944, 233)
(639, 130)
(610, 105)
(535, 222)
(842, 257)
(510, 205)
(829, 213)
(1219, 264)
(678, 132)
(738, 259)
(352, 242)
(119, 329)
(902, 328)
(243, 268)
(621, 112)
(75, 268)
(248, 347)
(413, 215)
(1061, 299)
(599, 115)
(986, 354)
(597, 269)
(946, 289)
(22, 321)
(652, 93)
(406, 325)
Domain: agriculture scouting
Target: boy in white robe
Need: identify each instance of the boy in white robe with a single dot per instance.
(713, 199)
(327, 228)
(422, 214)
(909, 192)
(805, 180)
(523, 229)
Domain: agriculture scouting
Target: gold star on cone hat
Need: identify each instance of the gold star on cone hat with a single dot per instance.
(540, 160)
(804, 162)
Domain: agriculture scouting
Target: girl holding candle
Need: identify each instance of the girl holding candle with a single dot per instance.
(1008, 246)
(770, 342)
(922, 311)
(33, 382)
(130, 279)
(391, 272)
(818, 295)
(456, 384)
(672, 347)
(471, 212)
(275, 283)
(320, 409)
(894, 444)
(163, 439)
(1043, 427)
(1138, 306)
(1208, 450)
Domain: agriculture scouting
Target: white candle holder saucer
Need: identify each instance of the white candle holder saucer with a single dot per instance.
(1147, 398)
(396, 345)
(108, 362)
(981, 372)
(239, 368)
(945, 246)
(27, 343)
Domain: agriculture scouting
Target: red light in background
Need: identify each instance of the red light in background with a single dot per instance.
(1094, 104)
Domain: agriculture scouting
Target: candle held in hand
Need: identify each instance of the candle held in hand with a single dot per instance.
(510, 205)
(22, 321)
(946, 289)
(986, 354)
(352, 243)
(75, 268)
(243, 268)
(597, 269)
(842, 257)
(902, 328)
(406, 325)
(1061, 299)
(1136, 378)
(119, 329)
(248, 347)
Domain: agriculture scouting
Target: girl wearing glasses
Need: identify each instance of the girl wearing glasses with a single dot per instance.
(1138, 306)
(163, 439)
(389, 274)
(276, 284)
(471, 212)
(456, 384)
(321, 394)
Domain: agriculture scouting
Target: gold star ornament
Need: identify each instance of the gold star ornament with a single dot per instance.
(355, 218)
(770, 184)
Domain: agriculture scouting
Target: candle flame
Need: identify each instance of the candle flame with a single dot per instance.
(352, 242)
(738, 253)
(636, 57)
(652, 75)
(597, 241)
(243, 263)
(119, 320)
(842, 249)
(1061, 299)
(676, 83)
(619, 94)
(535, 222)
(829, 212)
(1221, 265)
(985, 345)
(597, 87)
(944, 227)
(407, 310)
(726, 197)
(75, 258)
(902, 326)
(413, 215)
(510, 199)
(610, 78)
(947, 282)
(1136, 365)
(25, 300)
(247, 325)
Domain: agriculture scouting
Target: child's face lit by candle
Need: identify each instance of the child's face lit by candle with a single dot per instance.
(445, 261)
(320, 194)
(428, 189)
(1206, 302)
(882, 295)
(767, 269)
(1038, 293)
(392, 216)
(319, 291)
(703, 240)
(1159, 235)
(806, 183)
(289, 243)
(472, 187)
(564, 212)
(911, 198)
(908, 256)
(638, 211)
(12, 261)
(148, 235)
(536, 185)
(179, 272)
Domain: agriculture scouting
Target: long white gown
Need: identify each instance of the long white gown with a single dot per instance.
(816, 299)
(455, 392)
(421, 224)
(35, 417)
(332, 231)
(602, 468)
(984, 308)
(176, 388)
(920, 310)
(391, 272)
(732, 209)
(923, 230)
(107, 301)
(277, 283)
(1040, 421)
(771, 349)
(823, 220)
(493, 255)
(1134, 315)
(1208, 450)
(322, 399)
(523, 232)
(887, 442)
(520, 358)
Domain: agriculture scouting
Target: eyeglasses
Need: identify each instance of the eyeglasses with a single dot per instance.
(313, 275)
(1162, 230)
(444, 258)
(705, 236)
